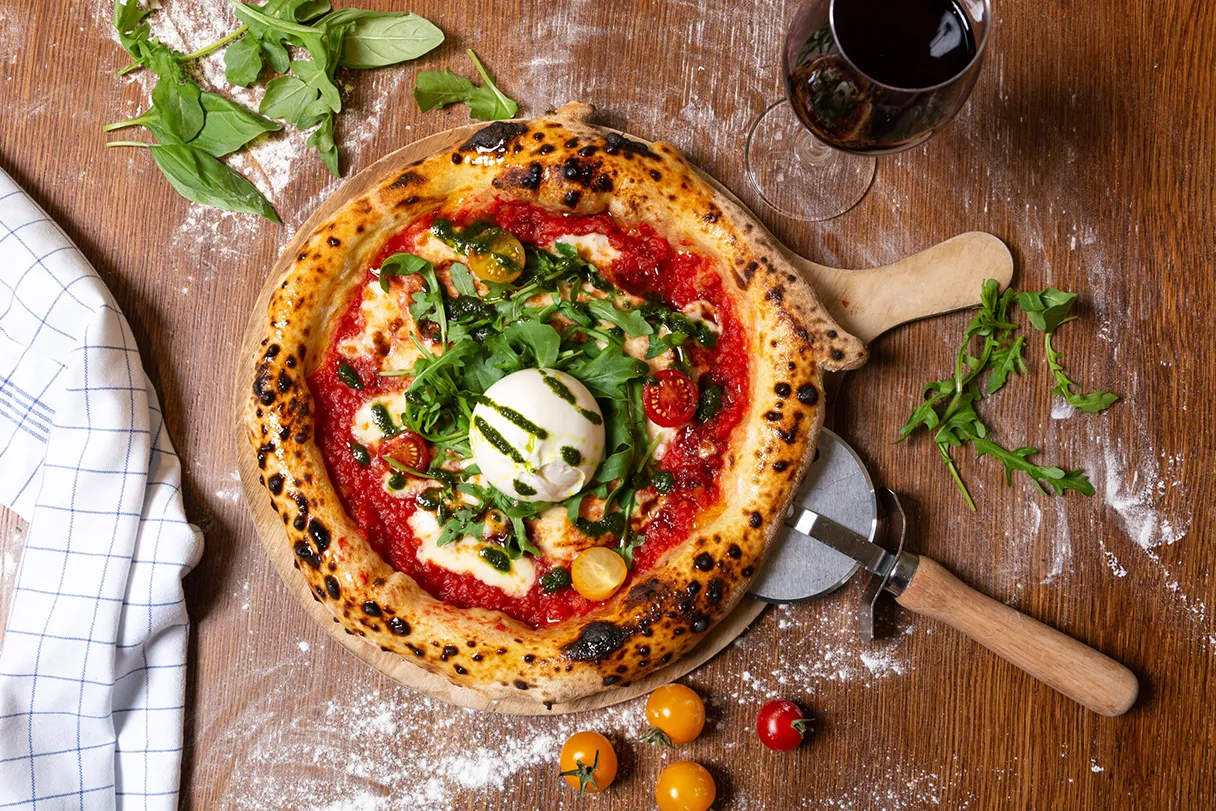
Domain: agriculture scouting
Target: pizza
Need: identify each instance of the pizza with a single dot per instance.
(531, 409)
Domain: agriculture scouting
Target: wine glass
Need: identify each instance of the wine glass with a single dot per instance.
(862, 78)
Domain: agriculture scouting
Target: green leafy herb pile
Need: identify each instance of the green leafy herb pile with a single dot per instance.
(194, 129)
(949, 405)
(490, 337)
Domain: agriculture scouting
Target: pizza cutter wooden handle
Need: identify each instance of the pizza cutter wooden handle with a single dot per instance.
(940, 279)
(1075, 669)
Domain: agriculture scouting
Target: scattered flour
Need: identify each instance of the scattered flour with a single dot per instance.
(303, 646)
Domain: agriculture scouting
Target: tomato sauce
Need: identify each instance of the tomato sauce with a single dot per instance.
(647, 264)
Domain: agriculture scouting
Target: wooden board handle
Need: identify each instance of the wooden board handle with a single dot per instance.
(937, 280)
(1076, 670)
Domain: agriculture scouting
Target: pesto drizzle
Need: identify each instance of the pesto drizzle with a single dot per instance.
(515, 418)
(572, 456)
(500, 442)
(561, 390)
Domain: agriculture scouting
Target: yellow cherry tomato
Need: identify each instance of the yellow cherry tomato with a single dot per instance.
(685, 786)
(676, 715)
(502, 263)
(598, 572)
(588, 762)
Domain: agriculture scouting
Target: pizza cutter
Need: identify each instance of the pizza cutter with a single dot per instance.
(831, 532)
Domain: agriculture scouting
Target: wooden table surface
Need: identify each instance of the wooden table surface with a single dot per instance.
(1088, 146)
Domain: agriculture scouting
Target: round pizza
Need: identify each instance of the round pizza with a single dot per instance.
(532, 408)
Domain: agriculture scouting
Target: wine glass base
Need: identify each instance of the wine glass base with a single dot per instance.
(797, 174)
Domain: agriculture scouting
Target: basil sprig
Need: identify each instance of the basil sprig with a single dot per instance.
(193, 127)
(948, 407)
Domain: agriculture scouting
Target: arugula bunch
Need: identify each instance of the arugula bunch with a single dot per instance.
(948, 407)
(489, 337)
(194, 129)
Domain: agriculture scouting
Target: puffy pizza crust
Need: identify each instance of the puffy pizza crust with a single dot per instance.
(562, 162)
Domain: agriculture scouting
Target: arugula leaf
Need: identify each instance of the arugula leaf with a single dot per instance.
(1055, 478)
(1046, 309)
(323, 139)
(1005, 361)
(539, 339)
(1092, 403)
(631, 321)
(435, 89)
(376, 40)
(202, 179)
(228, 126)
(428, 302)
(605, 374)
(244, 61)
(462, 279)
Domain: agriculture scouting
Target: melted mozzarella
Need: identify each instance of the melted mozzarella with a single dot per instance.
(383, 316)
(464, 557)
(428, 246)
(364, 429)
(557, 539)
(638, 346)
(594, 248)
(663, 436)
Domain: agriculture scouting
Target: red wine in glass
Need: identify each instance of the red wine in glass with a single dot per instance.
(865, 77)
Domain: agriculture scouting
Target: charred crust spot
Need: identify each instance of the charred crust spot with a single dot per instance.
(538, 136)
(808, 394)
(695, 586)
(700, 624)
(772, 416)
(579, 172)
(780, 466)
(644, 650)
(261, 390)
(656, 175)
(571, 143)
(647, 632)
(520, 684)
(460, 671)
(501, 651)
(334, 242)
(271, 352)
(782, 390)
(399, 627)
(457, 158)
(587, 151)
(283, 383)
(754, 521)
(319, 534)
(733, 551)
(596, 640)
(776, 294)
(299, 258)
(715, 590)
(406, 179)
(665, 659)
(836, 354)
(263, 452)
(611, 680)
(603, 183)
(643, 594)
(493, 138)
(477, 657)
(747, 571)
(545, 149)
(832, 333)
(520, 177)
(331, 585)
(572, 197)
(417, 651)
(303, 550)
(275, 483)
(713, 215)
(372, 608)
(704, 562)
(448, 652)
(614, 142)
(290, 363)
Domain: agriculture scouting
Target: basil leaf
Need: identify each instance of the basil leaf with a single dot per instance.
(229, 126)
(376, 40)
(288, 98)
(202, 179)
(243, 61)
(629, 320)
(438, 88)
(323, 139)
(131, 28)
(179, 106)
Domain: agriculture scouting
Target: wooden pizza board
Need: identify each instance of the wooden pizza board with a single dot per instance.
(867, 303)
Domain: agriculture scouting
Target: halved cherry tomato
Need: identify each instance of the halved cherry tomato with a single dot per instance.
(685, 786)
(502, 263)
(598, 572)
(671, 399)
(676, 715)
(781, 725)
(588, 762)
(409, 449)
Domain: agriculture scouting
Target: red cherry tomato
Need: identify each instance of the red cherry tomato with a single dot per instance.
(409, 449)
(671, 399)
(781, 725)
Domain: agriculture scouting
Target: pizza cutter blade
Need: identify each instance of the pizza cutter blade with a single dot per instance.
(829, 535)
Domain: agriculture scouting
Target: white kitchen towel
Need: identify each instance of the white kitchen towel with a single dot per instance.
(93, 662)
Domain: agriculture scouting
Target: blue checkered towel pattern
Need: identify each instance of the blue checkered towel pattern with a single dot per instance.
(93, 663)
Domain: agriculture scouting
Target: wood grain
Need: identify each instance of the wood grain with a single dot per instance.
(1087, 147)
